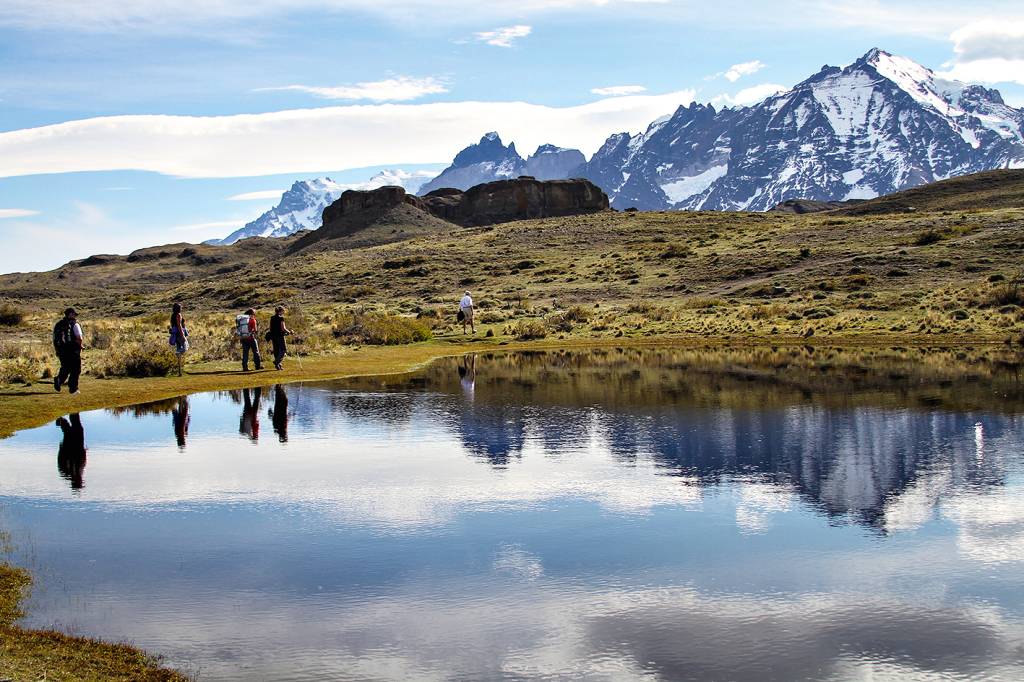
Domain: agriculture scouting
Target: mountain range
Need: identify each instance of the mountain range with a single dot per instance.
(882, 124)
(303, 204)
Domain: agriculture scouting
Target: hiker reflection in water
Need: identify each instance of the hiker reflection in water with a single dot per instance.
(180, 418)
(467, 376)
(71, 453)
(279, 413)
(249, 425)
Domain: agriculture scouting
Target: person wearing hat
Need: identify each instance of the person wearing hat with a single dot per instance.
(466, 312)
(278, 330)
(67, 342)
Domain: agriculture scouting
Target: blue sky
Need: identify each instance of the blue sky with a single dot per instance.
(128, 124)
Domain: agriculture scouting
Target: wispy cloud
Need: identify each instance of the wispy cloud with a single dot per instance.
(619, 90)
(751, 95)
(988, 52)
(261, 195)
(397, 89)
(314, 140)
(737, 71)
(213, 225)
(17, 212)
(504, 36)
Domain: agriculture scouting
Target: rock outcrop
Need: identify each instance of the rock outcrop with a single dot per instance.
(359, 218)
(520, 199)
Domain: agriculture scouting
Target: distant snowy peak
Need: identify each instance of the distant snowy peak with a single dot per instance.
(486, 161)
(879, 125)
(550, 162)
(301, 207)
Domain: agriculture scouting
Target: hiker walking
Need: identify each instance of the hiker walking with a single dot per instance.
(178, 338)
(278, 330)
(246, 328)
(466, 313)
(67, 342)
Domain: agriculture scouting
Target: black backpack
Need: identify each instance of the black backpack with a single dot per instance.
(64, 335)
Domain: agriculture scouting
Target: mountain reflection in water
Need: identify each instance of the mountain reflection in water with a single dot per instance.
(744, 514)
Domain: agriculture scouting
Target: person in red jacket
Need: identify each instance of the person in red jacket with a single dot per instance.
(247, 332)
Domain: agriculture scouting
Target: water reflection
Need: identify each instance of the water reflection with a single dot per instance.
(249, 423)
(71, 453)
(666, 514)
(279, 413)
(180, 420)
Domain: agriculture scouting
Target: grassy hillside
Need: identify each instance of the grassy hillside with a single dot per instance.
(989, 190)
(939, 275)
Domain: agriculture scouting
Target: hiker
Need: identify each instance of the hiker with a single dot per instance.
(178, 338)
(278, 330)
(67, 342)
(246, 328)
(466, 313)
(71, 451)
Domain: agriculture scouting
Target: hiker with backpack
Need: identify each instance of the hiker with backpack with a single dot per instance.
(246, 327)
(465, 315)
(178, 338)
(278, 330)
(67, 342)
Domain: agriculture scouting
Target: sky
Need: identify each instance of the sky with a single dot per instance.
(126, 124)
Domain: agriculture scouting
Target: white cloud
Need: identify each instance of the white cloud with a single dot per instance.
(261, 195)
(503, 37)
(163, 17)
(316, 140)
(619, 90)
(17, 212)
(398, 89)
(751, 95)
(737, 71)
(212, 225)
(988, 52)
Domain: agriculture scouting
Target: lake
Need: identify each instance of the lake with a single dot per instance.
(743, 514)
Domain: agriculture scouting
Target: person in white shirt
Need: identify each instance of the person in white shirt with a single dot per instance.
(466, 308)
(67, 342)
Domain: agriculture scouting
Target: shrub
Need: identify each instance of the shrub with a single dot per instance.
(139, 360)
(11, 316)
(929, 236)
(381, 329)
(527, 329)
(577, 313)
(676, 250)
(19, 371)
(819, 313)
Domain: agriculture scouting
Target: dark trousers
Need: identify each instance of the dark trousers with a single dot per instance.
(250, 344)
(70, 369)
(280, 349)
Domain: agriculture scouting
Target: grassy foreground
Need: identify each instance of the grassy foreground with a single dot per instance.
(49, 655)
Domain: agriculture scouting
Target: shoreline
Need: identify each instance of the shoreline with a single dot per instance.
(34, 405)
(25, 653)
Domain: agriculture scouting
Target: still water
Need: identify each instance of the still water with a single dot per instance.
(662, 514)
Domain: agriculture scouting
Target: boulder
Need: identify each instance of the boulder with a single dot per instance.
(370, 203)
(519, 199)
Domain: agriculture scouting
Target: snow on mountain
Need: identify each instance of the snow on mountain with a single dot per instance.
(553, 163)
(300, 209)
(302, 206)
(879, 125)
(486, 161)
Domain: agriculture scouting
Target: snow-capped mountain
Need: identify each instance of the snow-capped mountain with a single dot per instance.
(553, 163)
(301, 206)
(300, 209)
(879, 125)
(486, 161)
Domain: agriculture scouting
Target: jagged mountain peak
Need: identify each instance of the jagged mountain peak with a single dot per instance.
(878, 125)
